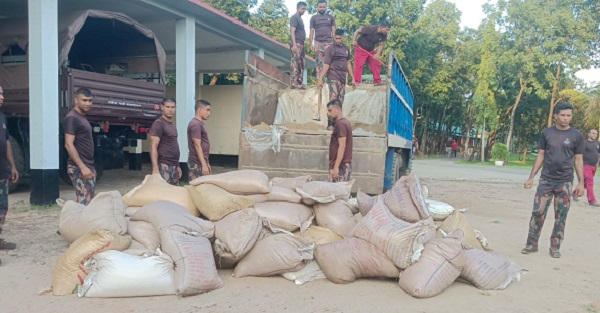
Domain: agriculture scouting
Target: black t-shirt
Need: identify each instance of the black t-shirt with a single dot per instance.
(560, 148)
(78, 125)
(337, 57)
(590, 154)
(4, 166)
(300, 33)
(369, 37)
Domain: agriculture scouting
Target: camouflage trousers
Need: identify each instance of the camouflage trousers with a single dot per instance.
(194, 171)
(337, 90)
(547, 191)
(3, 202)
(320, 54)
(170, 173)
(343, 175)
(84, 188)
(297, 66)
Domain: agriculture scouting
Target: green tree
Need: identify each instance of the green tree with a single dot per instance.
(240, 9)
(272, 18)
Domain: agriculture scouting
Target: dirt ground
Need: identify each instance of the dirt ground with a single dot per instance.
(497, 205)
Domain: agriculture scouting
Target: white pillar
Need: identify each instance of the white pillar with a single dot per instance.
(185, 73)
(43, 100)
(261, 52)
(305, 76)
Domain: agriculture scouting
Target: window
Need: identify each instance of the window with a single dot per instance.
(13, 56)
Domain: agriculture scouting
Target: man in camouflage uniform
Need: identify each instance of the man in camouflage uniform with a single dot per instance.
(322, 28)
(337, 65)
(559, 147)
(164, 149)
(297, 37)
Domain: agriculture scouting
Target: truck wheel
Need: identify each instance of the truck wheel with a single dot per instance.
(19, 159)
(400, 165)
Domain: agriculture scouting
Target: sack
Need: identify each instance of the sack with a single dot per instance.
(138, 249)
(458, 220)
(290, 183)
(439, 266)
(336, 216)
(401, 241)
(168, 214)
(106, 211)
(346, 260)
(282, 194)
(69, 273)
(258, 198)
(365, 202)
(310, 272)
(144, 233)
(489, 271)
(155, 188)
(237, 233)
(318, 235)
(215, 203)
(438, 209)
(400, 201)
(275, 254)
(129, 211)
(242, 182)
(284, 215)
(324, 192)
(116, 274)
(195, 269)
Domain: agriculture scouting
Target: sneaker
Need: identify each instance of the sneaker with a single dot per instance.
(554, 253)
(529, 249)
(5, 245)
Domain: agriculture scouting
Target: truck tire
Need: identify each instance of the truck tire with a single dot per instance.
(400, 165)
(19, 159)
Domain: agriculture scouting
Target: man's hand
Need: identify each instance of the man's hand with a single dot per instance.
(295, 49)
(335, 173)
(376, 56)
(14, 175)
(528, 184)
(320, 83)
(353, 84)
(87, 174)
(205, 170)
(354, 43)
(579, 191)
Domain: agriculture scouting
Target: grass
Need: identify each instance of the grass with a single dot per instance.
(514, 161)
(21, 207)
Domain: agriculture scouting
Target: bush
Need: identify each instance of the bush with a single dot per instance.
(500, 152)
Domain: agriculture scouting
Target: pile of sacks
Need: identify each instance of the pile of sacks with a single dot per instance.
(160, 239)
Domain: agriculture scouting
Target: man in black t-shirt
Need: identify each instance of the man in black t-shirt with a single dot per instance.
(365, 40)
(8, 171)
(297, 37)
(559, 147)
(590, 163)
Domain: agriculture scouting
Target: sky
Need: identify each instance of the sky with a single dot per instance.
(472, 15)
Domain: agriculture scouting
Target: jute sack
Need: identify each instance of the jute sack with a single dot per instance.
(318, 235)
(346, 260)
(137, 248)
(69, 272)
(258, 198)
(416, 192)
(155, 188)
(195, 269)
(168, 214)
(106, 211)
(275, 254)
(401, 241)
(458, 220)
(324, 192)
(439, 266)
(401, 204)
(144, 233)
(290, 183)
(336, 216)
(242, 182)
(282, 194)
(215, 203)
(439, 210)
(285, 215)
(489, 271)
(130, 210)
(237, 233)
(310, 272)
(365, 202)
(116, 274)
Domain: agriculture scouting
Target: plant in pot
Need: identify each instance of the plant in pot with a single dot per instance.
(500, 153)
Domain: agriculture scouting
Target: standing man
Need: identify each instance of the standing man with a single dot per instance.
(364, 49)
(8, 171)
(340, 146)
(454, 148)
(164, 150)
(336, 65)
(297, 37)
(322, 30)
(559, 147)
(198, 143)
(80, 147)
(590, 163)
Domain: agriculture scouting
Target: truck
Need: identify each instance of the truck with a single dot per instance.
(120, 60)
(284, 131)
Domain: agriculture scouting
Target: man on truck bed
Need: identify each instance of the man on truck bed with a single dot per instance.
(364, 49)
(8, 170)
(336, 65)
(322, 28)
(80, 147)
(164, 150)
(340, 146)
(198, 142)
(297, 37)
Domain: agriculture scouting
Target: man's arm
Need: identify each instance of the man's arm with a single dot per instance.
(333, 30)
(311, 37)
(539, 161)
(356, 33)
(350, 71)
(340, 152)
(154, 141)
(379, 49)
(322, 74)
(579, 170)
(14, 174)
(74, 155)
(200, 154)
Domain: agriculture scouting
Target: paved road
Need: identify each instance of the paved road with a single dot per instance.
(445, 169)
